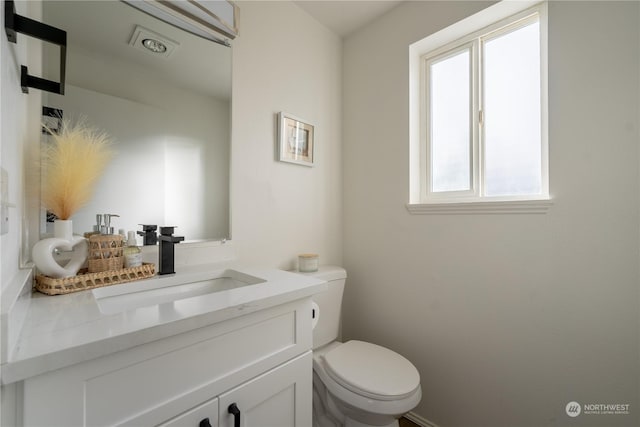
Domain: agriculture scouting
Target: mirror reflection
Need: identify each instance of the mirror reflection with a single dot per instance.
(164, 96)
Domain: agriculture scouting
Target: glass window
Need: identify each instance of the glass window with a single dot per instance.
(450, 123)
(512, 123)
(482, 112)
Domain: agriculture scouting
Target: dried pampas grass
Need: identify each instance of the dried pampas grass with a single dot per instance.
(71, 165)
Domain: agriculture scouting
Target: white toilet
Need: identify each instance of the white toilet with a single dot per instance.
(355, 384)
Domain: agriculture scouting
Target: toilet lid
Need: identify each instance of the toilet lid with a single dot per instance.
(372, 371)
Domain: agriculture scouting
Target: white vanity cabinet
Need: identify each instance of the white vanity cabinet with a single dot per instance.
(278, 398)
(260, 361)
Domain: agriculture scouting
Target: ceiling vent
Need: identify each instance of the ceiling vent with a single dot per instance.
(153, 43)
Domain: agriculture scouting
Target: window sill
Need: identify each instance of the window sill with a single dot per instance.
(481, 208)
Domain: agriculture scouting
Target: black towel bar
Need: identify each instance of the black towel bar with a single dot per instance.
(13, 24)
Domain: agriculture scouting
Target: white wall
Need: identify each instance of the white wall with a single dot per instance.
(20, 115)
(507, 317)
(283, 60)
(20, 123)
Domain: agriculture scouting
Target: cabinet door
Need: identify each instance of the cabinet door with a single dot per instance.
(281, 397)
(205, 415)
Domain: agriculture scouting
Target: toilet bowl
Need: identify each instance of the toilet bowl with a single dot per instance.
(356, 383)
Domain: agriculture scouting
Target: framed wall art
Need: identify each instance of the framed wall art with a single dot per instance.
(296, 140)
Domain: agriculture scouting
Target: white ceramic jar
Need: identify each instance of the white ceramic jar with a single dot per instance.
(308, 263)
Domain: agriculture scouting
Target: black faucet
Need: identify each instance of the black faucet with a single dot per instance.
(149, 235)
(166, 251)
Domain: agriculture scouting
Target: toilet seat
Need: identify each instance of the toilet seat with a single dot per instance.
(372, 371)
(353, 399)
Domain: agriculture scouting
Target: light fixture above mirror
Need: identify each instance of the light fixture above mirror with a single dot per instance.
(155, 46)
(152, 42)
(215, 20)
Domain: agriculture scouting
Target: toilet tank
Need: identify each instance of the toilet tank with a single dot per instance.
(329, 304)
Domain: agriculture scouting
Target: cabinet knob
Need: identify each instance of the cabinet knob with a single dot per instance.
(205, 423)
(233, 410)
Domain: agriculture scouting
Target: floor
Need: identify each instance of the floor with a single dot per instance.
(406, 423)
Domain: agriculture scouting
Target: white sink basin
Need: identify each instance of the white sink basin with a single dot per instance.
(160, 290)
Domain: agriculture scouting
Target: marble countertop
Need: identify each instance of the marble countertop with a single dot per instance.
(64, 330)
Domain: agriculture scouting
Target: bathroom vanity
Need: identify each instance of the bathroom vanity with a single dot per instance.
(213, 345)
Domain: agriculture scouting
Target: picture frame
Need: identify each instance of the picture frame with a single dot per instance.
(51, 120)
(296, 140)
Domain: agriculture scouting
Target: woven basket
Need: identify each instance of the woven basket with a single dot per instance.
(85, 280)
(105, 252)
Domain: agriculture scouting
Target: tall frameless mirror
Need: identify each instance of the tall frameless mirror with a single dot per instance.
(166, 106)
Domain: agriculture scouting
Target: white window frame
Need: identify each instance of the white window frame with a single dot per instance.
(426, 177)
(492, 22)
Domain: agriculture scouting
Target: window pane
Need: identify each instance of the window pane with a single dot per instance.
(512, 145)
(449, 124)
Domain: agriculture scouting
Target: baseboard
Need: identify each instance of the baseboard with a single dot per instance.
(422, 422)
